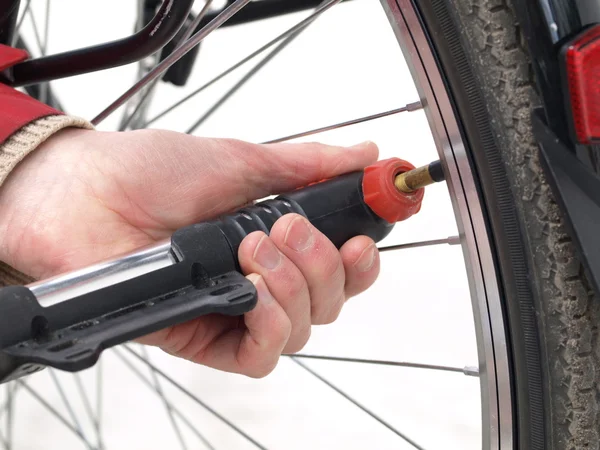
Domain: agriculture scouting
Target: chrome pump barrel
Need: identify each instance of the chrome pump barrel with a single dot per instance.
(112, 271)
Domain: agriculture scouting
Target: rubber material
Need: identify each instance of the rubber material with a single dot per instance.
(550, 310)
(78, 346)
(336, 207)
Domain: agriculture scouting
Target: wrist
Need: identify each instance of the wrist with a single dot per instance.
(30, 137)
(24, 157)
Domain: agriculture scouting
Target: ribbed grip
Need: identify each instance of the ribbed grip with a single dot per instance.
(260, 217)
(336, 207)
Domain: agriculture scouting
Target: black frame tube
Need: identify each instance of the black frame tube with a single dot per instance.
(154, 36)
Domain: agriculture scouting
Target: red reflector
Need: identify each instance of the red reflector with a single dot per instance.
(583, 75)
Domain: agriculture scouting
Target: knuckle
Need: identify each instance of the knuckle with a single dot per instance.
(299, 340)
(333, 268)
(252, 239)
(328, 312)
(263, 369)
(279, 228)
(282, 330)
(296, 286)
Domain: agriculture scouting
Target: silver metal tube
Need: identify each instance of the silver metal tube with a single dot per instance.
(106, 273)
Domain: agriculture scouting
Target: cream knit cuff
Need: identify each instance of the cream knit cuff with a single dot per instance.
(28, 138)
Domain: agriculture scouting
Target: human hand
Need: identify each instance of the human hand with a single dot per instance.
(84, 196)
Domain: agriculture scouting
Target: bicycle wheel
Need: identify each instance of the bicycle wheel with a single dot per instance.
(529, 296)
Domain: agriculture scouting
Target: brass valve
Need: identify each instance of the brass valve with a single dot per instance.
(420, 177)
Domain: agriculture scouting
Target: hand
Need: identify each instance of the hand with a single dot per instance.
(86, 195)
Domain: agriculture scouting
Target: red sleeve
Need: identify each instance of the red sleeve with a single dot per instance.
(17, 109)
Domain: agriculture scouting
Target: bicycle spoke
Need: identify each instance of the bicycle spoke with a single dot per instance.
(99, 385)
(20, 22)
(8, 401)
(452, 240)
(196, 399)
(67, 403)
(4, 442)
(10, 414)
(358, 405)
(7, 408)
(299, 26)
(140, 14)
(262, 63)
(54, 412)
(177, 54)
(467, 370)
(144, 99)
(10, 391)
(44, 87)
(88, 408)
(407, 108)
(159, 391)
(36, 31)
(46, 28)
(176, 411)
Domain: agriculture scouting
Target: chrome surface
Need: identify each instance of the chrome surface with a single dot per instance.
(106, 273)
(489, 324)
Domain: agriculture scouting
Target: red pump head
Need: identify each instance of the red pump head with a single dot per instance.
(383, 197)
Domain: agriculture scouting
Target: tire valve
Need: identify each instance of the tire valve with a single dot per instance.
(420, 177)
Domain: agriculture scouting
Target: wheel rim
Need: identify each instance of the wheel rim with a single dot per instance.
(493, 359)
(492, 347)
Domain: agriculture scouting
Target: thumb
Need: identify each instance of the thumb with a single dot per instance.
(185, 179)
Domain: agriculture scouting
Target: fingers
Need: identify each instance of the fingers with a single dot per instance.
(307, 275)
(319, 263)
(301, 279)
(253, 350)
(361, 264)
(171, 179)
(330, 277)
(258, 254)
(282, 167)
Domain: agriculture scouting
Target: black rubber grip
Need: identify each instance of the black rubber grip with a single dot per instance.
(336, 207)
(205, 279)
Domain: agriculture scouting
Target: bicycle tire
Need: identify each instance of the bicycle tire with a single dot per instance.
(550, 312)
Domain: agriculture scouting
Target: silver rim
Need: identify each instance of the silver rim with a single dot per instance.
(493, 370)
(491, 339)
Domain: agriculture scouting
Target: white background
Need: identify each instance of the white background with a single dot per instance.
(346, 65)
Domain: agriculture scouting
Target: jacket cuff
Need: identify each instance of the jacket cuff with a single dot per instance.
(29, 137)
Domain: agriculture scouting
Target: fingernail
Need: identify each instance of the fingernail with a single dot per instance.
(266, 254)
(261, 288)
(366, 260)
(298, 235)
(361, 146)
